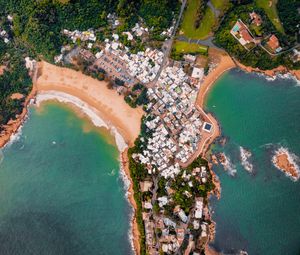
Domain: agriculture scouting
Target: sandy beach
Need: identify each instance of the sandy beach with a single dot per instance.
(113, 110)
(111, 106)
(223, 63)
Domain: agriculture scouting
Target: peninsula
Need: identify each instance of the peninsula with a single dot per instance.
(145, 78)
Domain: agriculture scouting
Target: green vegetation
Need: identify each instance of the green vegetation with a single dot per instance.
(138, 173)
(137, 97)
(15, 79)
(181, 187)
(220, 4)
(180, 48)
(200, 13)
(288, 11)
(190, 16)
(270, 9)
(36, 32)
(257, 57)
(38, 24)
(158, 13)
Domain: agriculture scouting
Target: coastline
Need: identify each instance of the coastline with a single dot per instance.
(108, 110)
(270, 73)
(135, 238)
(69, 87)
(94, 117)
(108, 104)
(13, 126)
(57, 82)
(223, 64)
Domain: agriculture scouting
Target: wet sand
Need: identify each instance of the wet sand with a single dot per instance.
(223, 63)
(111, 106)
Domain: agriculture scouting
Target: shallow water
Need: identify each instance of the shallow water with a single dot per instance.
(60, 189)
(258, 212)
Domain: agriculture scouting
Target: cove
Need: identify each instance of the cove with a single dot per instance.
(258, 212)
(60, 188)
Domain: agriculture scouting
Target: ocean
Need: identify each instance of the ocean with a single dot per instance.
(260, 211)
(61, 191)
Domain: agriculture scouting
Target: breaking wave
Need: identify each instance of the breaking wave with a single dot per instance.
(292, 158)
(286, 76)
(1, 156)
(126, 182)
(91, 112)
(245, 156)
(228, 165)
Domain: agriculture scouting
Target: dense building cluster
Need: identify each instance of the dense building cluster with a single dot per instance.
(144, 65)
(176, 127)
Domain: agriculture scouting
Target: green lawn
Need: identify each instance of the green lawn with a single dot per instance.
(271, 12)
(187, 26)
(219, 4)
(185, 48)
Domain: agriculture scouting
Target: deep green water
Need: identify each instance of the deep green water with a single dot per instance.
(257, 212)
(60, 190)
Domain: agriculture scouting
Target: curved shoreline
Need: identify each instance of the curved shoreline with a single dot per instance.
(95, 118)
(90, 112)
(13, 127)
(46, 84)
(67, 89)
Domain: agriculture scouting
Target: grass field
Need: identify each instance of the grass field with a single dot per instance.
(219, 4)
(187, 26)
(185, 48)
(271, 12)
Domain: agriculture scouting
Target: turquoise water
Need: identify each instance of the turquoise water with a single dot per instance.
(258, 212)
(60, 189)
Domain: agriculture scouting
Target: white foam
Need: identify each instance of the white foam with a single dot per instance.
(245, 155)
(127, 184)
(17, 135)
(228, 165)
(14, 137)
(91, 112)
(292, 158)
(94, 116)
(1, 156)
(285, 76)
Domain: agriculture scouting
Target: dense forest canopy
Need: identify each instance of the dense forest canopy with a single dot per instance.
(288, 11)
(15, 79)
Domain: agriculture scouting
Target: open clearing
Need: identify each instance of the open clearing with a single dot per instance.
(270, 9)
(185, 48)
(205, 28)
(219, 4)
